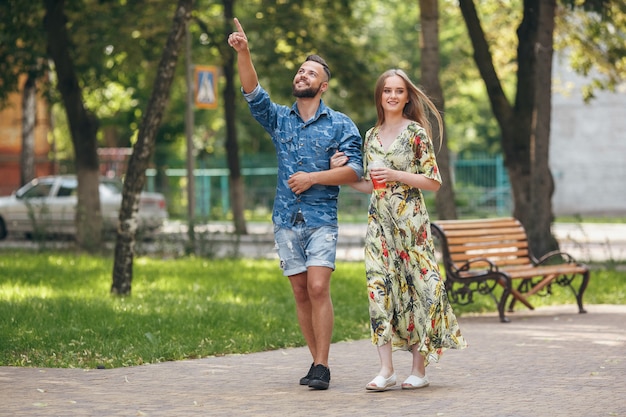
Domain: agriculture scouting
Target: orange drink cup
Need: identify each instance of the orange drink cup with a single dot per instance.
(377, 163)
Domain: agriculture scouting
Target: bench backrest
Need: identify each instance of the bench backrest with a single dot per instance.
(503, 241)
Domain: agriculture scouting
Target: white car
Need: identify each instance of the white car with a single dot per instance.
(47, 205)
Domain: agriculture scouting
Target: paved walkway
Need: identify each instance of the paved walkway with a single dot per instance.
(549, 362)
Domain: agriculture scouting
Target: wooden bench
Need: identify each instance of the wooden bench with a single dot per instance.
(480, 255)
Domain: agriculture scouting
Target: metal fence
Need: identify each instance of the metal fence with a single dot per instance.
(481, 189)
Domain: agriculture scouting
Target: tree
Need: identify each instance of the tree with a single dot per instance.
(23, 46)
(23, 57)
(142, 151)
(232, 145)
(525, 125)
(541, 181)
(29, 113)
(83, 127)
(516, 121)
(429, 18)
(104, 50)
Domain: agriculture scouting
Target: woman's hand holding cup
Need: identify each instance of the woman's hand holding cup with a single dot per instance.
(376, 170)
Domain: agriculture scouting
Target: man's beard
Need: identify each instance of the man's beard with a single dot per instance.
(309, 92)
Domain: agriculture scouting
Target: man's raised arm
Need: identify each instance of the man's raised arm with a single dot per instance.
(247, 74)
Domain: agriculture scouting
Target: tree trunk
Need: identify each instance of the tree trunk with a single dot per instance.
(191, 165)
(517, 144)
(142, 151)
(29, 118)
(232, 146)
(525, 139)
(430, 64)
(83, 128)
(540, 220)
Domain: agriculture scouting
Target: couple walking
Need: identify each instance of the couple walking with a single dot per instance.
(318, 150)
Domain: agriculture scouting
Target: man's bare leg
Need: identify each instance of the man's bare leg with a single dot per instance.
(304, 310)
(322, 317)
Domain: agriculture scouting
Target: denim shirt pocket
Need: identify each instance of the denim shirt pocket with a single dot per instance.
(288, 145)
(323, 151)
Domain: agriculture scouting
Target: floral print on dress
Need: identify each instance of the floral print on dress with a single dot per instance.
(407, 299)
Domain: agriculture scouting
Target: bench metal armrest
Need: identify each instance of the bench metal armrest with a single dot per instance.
(566, 257)
(468, 265)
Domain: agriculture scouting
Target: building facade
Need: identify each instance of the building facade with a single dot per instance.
(11, 143)
(587, 147)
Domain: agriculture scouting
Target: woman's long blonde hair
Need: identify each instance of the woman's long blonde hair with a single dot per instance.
(417, 109)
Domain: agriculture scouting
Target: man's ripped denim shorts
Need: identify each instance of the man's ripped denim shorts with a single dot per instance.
(300, 247)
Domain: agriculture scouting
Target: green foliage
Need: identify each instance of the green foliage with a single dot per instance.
(117, 44)
(56, 311)
(22, 44)
(593, 33)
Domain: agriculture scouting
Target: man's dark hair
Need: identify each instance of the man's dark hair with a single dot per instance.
(319, 60)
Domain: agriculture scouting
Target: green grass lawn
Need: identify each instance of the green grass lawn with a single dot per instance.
(56, 310)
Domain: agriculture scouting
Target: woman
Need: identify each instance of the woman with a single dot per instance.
(408, 305)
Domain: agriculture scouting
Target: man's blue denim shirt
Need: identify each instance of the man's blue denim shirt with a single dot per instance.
(307, 147)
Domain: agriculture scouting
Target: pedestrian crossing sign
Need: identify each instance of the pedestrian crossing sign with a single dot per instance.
(205, 87)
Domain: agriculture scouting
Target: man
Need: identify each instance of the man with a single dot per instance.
(305, 135)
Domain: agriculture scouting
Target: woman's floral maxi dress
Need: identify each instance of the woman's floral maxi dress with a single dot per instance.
(408, 303)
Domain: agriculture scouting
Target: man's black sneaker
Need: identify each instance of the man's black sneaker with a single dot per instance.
(320, 378)
(305, 379)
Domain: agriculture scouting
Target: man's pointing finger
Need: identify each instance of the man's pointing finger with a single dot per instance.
(239, 28)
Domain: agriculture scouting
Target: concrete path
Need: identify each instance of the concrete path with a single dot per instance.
(586, 242)
(549, 362)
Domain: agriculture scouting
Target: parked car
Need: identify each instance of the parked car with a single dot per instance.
(47, 205)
